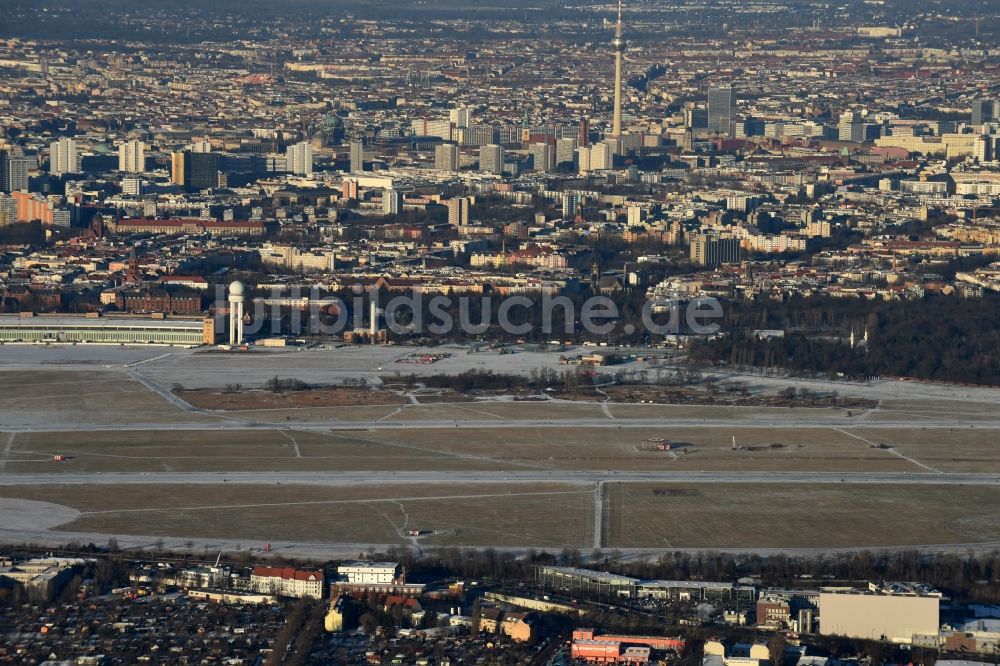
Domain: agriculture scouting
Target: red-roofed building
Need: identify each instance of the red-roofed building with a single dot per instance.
(409, 603)
(189, 281)
(288, 582)
(612, 649)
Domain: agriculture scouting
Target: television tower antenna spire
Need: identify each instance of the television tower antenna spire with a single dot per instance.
(619, 44)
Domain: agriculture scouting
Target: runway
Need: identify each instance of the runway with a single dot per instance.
(368, 478)
(236, 423)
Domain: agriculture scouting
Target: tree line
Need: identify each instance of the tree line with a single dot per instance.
(937, 337)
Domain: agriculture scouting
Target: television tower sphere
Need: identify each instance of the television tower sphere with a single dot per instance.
(236, 288)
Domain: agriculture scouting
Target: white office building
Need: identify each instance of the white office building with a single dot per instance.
(392, 202)
(299, 159)
(132, 186)
(63, 157)
(461, 117)
(565, 150)
(446, 157)
(369, 573)
(491, 159)
(132, 157)
(543, 156)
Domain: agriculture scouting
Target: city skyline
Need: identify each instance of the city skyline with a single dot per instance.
(420, 334)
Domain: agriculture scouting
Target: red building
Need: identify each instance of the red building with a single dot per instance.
(159, 301)
(183, 226)
(613, 649)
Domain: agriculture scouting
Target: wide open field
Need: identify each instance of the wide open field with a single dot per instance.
(480, 448)
(256, 450)
(79, 397)
(956, 411)
(549, 515)
(802, 516)
(958, 449)
(612, 448)
(636, 515)
(593, 448)
(365, 465)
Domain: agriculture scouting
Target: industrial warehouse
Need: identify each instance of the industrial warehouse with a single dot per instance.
(897, 612)
(573, 579)
(157, 329)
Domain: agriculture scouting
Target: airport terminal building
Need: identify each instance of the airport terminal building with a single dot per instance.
(42, 329)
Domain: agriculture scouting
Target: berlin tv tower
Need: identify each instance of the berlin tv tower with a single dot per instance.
(619, 43)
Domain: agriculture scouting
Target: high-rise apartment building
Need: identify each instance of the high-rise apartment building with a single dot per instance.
(8, 210)
(204, 171)
(392, 202)
(711, 251)
(598, 157)
(357, 156)
(847, 126)
(982, 112)
(63, 157)
(491, 159)
(602, 155)
(428, 127)
(194, 171)
(178, 167)
(543, 156)
(461, 116)
(985, 148)
(446, 157)
(477, 135)
(299, 159)
(132, 157)
(13, 171)
(696, 118)
(132, 186)
(459, 210)
(721, 109)
(570, 205)
(566, 150)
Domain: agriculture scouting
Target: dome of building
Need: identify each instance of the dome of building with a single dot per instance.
(236, 288)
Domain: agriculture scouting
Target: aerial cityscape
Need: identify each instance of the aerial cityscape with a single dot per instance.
(552, 332)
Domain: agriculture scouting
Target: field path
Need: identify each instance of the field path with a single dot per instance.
(891, 450)
(598, 514)
(6, 450)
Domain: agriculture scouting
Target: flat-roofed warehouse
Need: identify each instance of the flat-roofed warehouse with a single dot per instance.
(900, 613)
(599, 582)
(573, 578)
(189, 332)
